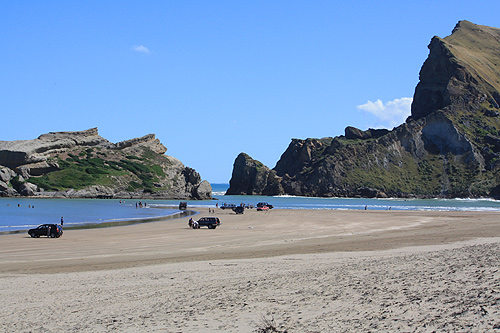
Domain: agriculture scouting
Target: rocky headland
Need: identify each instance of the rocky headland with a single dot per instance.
(83, 164)
(449, 147)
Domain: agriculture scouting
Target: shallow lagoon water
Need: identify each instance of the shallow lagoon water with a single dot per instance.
(26, 213)
(80, 212)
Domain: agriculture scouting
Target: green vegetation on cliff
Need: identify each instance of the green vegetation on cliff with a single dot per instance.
(93, 166)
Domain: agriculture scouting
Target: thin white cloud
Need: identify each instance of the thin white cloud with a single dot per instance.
(390, 114)
(141, 49)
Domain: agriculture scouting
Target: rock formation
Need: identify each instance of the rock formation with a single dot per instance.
(354, 133)
(252, 177)
(462, 69)
(448, 147)
(83, 164)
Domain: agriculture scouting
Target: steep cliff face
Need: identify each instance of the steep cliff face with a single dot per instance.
(83, 164)
(461, 69)
(449, 147)
(252, 177)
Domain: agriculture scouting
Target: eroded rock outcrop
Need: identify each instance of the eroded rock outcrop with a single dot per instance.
(253, 178)
(83, 164)
(14, 154)
(449, 147)
(353, 133)
(149, 141)
(461, 69)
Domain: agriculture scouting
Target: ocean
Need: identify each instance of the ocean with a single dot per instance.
(25, 213)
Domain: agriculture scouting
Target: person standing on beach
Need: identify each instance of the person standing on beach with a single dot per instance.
(62, 221)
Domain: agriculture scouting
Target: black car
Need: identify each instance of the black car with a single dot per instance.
(239, 209)
(227, 206)
(262, 204)
(49, 230)
(210, 222)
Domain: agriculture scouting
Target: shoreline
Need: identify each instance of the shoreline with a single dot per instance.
(119, 223)
(292, 203)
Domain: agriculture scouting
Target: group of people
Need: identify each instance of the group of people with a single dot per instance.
(193, 224)
(19, 205)
(140, 205)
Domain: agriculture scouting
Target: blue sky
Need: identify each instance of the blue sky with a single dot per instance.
(215, 78)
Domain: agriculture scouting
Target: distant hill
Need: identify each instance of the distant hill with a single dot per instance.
(85, 165)
(449, 147)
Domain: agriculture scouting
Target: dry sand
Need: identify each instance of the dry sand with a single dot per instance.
(299, 270)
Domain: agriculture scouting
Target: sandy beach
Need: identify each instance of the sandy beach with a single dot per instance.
(296, 270)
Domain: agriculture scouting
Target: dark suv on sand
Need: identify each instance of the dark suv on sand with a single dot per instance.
(49, 230)
(210, 222)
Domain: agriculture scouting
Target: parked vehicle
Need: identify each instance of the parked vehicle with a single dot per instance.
(227, 206)
(262, 208)
(210, 222)
(49, 230)
(239, 209)
(262, 204)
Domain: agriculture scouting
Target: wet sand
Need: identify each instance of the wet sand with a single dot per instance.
(301, 270)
